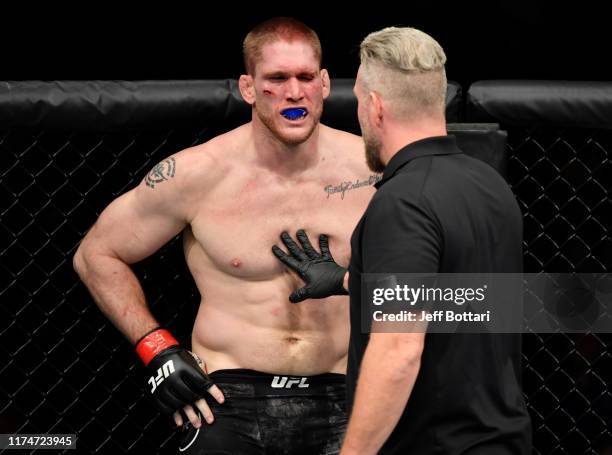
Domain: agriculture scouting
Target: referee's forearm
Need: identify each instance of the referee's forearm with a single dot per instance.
(385, 382)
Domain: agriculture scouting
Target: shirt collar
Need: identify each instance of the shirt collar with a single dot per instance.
(435, 145)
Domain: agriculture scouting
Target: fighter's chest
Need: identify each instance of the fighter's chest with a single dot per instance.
(237, 232)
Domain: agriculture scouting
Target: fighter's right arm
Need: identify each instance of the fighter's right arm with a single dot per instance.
(131, 228)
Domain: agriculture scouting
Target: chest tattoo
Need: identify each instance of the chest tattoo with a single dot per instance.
(345, 186)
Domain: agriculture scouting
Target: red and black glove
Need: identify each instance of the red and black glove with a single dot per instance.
(176, 379)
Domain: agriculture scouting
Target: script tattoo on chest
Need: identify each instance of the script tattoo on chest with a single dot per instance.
(343, 187)
(161, 172)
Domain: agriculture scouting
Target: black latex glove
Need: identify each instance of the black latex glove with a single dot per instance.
(322, 275)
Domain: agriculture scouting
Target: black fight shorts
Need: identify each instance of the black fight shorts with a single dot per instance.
(271, 415)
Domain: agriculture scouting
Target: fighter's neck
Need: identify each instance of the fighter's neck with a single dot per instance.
(282, 158)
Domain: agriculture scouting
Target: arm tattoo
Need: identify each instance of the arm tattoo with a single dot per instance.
(343, 187)
(161, 172)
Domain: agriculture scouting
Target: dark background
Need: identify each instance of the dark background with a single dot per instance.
(501, 40)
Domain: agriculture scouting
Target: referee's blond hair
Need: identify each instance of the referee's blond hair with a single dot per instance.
(405, 66)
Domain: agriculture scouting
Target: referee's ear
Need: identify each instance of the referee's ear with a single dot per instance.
(375, 108)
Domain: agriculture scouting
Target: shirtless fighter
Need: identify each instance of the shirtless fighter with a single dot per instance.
(280, 366)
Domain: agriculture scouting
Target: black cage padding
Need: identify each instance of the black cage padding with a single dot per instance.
(567, 104)
(98, 106)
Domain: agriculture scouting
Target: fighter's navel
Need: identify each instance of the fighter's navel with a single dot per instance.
(292, 340)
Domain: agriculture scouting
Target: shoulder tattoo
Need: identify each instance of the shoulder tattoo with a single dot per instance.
(161, 172)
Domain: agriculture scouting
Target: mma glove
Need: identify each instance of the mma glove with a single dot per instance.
(175, 377)
(322, 275)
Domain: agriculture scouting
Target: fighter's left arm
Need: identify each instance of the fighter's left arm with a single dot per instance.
(388, 372)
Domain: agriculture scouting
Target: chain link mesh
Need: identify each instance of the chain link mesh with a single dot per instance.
(562, 180)
(66, 369)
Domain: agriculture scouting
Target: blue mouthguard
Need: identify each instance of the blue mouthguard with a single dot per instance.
(293, 114)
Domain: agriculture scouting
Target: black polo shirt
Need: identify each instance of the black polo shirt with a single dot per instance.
(439, 210)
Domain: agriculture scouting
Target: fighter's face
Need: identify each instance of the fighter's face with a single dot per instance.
(287, 76)
(371, 139)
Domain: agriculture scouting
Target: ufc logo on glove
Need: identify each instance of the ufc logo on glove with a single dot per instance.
(162, 372)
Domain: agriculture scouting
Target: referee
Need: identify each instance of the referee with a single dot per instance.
(436, 210)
